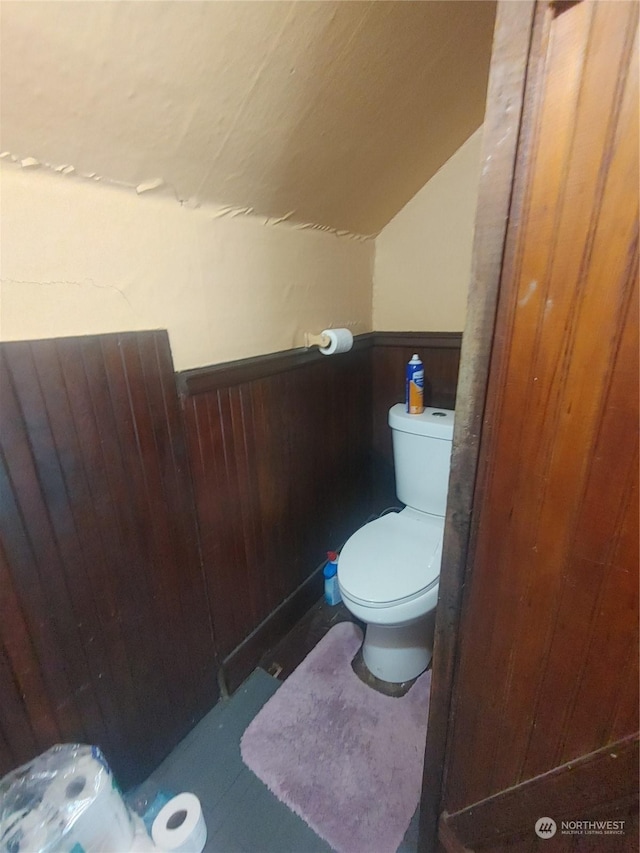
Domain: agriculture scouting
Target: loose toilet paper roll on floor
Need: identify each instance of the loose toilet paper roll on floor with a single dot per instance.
(341, 341)
(179, 826)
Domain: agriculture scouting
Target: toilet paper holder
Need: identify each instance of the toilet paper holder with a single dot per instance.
(331, 341)
(321, 340)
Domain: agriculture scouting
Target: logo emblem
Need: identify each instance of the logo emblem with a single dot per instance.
(546, 827)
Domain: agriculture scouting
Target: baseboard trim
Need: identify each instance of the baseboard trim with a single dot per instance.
(243, 659)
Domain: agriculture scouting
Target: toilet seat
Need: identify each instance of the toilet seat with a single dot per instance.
(392, 560)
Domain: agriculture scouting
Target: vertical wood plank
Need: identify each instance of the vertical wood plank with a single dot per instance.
(281, 470)
(106, 635)
(22, 660)
(551, 598)
(514, 55)
(34, 469)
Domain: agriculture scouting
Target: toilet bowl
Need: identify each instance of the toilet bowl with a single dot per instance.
(388, 571)
(388, 574)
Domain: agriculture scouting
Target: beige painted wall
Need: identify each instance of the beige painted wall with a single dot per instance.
(79, 257)
(423, 256)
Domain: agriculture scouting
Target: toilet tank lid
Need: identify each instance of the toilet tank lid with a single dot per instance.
(433, 422)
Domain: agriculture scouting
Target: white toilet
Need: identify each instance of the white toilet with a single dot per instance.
(388, 570)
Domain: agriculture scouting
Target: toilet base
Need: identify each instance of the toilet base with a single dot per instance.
(399, 653)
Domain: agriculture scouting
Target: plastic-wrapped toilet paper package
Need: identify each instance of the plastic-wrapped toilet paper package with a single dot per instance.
(142, 842)
(65, 800)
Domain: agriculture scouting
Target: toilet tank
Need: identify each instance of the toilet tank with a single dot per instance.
(422, 456)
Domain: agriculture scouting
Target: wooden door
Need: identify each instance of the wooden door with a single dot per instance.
(541, 718)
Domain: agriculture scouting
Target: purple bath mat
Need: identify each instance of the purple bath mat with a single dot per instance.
(343, 757)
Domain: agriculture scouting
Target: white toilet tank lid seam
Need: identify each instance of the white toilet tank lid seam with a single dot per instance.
(433, 423)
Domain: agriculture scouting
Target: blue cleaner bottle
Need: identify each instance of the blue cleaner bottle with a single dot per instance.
(414, 394)
(330, 572)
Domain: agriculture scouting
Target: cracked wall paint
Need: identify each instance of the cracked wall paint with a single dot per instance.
(159, 186)
(337, 111)
(80, 257)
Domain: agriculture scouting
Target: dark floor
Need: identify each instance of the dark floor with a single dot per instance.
(293, 649)
(241, 814)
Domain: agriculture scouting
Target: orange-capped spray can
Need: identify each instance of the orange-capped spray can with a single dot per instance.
(415, 386)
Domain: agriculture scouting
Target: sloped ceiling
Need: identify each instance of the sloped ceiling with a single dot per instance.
(332, 113)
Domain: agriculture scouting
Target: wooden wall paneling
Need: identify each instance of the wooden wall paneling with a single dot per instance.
(548, 645)
(145, 499)
(20, 743)
(112, 459)
(289, 395)
(168, 481)
(277, 577)
(33, 468)
(215, 514)
(107, 631)
(599, 785)
(513, 50)
(547, 422)
(267, 493)
(80, 446)
(345, 470)
(15, 627)
(221, 517)
(244, 429)
(280, 460)
(193, 592)
(81, 550)
(246, 604)
(7, 754)
(598, 589)
(204, 469)
(60, 372)
(22, 681)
